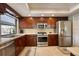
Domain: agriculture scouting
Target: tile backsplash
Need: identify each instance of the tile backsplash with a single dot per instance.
(34, 31)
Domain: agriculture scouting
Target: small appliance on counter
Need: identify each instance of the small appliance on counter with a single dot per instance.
(21, 31)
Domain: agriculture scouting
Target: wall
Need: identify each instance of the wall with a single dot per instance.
(34, 31)
(17, 25)
(75, 20)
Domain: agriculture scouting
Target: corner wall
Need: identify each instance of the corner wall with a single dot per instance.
(75, 23)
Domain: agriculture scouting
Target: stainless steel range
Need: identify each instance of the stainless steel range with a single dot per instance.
(42, 39)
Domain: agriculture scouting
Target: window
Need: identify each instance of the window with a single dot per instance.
(8, 24)
(6, 29)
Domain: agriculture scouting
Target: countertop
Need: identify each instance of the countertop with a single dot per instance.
(74, 50)
(5, 40)
(52, 33)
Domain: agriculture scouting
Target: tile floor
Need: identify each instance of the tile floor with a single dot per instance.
(45, 51)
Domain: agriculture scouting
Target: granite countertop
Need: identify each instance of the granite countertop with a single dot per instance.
(5, 40)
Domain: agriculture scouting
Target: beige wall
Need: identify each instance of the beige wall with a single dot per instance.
(75, 20)
(18, 31)
(76, 30)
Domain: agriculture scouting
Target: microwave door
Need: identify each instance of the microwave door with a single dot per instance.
(40, 26)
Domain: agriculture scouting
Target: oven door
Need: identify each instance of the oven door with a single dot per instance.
(42, 41)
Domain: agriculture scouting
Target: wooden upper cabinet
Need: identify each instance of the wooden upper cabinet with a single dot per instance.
(2, 8)
(42, 20)
(51, 21)
(27, 23)
(30, 22)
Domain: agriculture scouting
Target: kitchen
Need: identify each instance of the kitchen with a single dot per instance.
(35, 26)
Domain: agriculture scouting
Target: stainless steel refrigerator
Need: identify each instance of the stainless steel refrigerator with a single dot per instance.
(63, 29)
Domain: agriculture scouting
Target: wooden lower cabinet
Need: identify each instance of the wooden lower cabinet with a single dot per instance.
(31, 40)
(19, 45)
(26, 40)
(53, 40)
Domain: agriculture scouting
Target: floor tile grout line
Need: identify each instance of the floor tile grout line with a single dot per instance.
(35, 52)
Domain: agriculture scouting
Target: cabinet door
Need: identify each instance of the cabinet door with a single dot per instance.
(19, 44)
(27, 23)
(1, 52)
(52, 40)
(27, 40)
(51, 22)
(2, 8)
(31, 40)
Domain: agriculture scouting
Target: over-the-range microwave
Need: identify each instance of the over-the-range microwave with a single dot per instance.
(41, 25)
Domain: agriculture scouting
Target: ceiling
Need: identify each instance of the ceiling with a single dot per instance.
(45, 9)
(51, 6)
